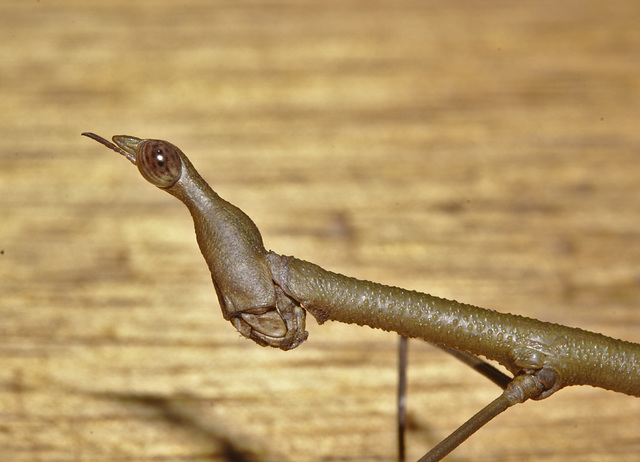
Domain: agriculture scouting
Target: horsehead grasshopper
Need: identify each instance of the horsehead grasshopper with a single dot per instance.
(266, 296)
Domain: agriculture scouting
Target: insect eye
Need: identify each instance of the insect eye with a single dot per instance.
(160, 157)
(159, 162)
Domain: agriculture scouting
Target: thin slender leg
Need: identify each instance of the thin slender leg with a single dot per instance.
(403, 347)
(467, 429)
(483, 367)
(519, 390)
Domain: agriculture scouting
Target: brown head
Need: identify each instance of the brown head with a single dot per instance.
(158, 161)
(229, 241)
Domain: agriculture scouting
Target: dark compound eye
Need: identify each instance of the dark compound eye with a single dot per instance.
(159, 162)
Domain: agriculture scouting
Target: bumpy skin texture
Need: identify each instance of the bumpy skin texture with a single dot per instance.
(570, 356)
(265, 295)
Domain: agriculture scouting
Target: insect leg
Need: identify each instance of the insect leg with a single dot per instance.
(484, 368)
(520, 389)
(403, 347)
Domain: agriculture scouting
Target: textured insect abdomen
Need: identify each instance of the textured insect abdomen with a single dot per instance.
(519, 343)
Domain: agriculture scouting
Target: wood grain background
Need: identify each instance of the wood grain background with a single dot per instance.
(483, 152)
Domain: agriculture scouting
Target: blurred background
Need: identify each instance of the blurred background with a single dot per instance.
(482, 152)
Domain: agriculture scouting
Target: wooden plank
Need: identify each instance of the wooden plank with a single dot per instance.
(483, 153)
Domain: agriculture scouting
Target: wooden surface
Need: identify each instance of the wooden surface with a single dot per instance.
(487, 153)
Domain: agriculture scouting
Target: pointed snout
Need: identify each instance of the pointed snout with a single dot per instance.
(125, 145)
(129, 145)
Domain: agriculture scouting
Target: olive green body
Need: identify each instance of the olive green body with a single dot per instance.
(265, 295)
(522, 345)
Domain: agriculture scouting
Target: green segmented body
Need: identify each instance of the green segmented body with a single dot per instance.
(519, 343)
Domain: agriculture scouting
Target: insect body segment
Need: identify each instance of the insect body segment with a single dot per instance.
(229, 241)
(266, 296)
(558, 355)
